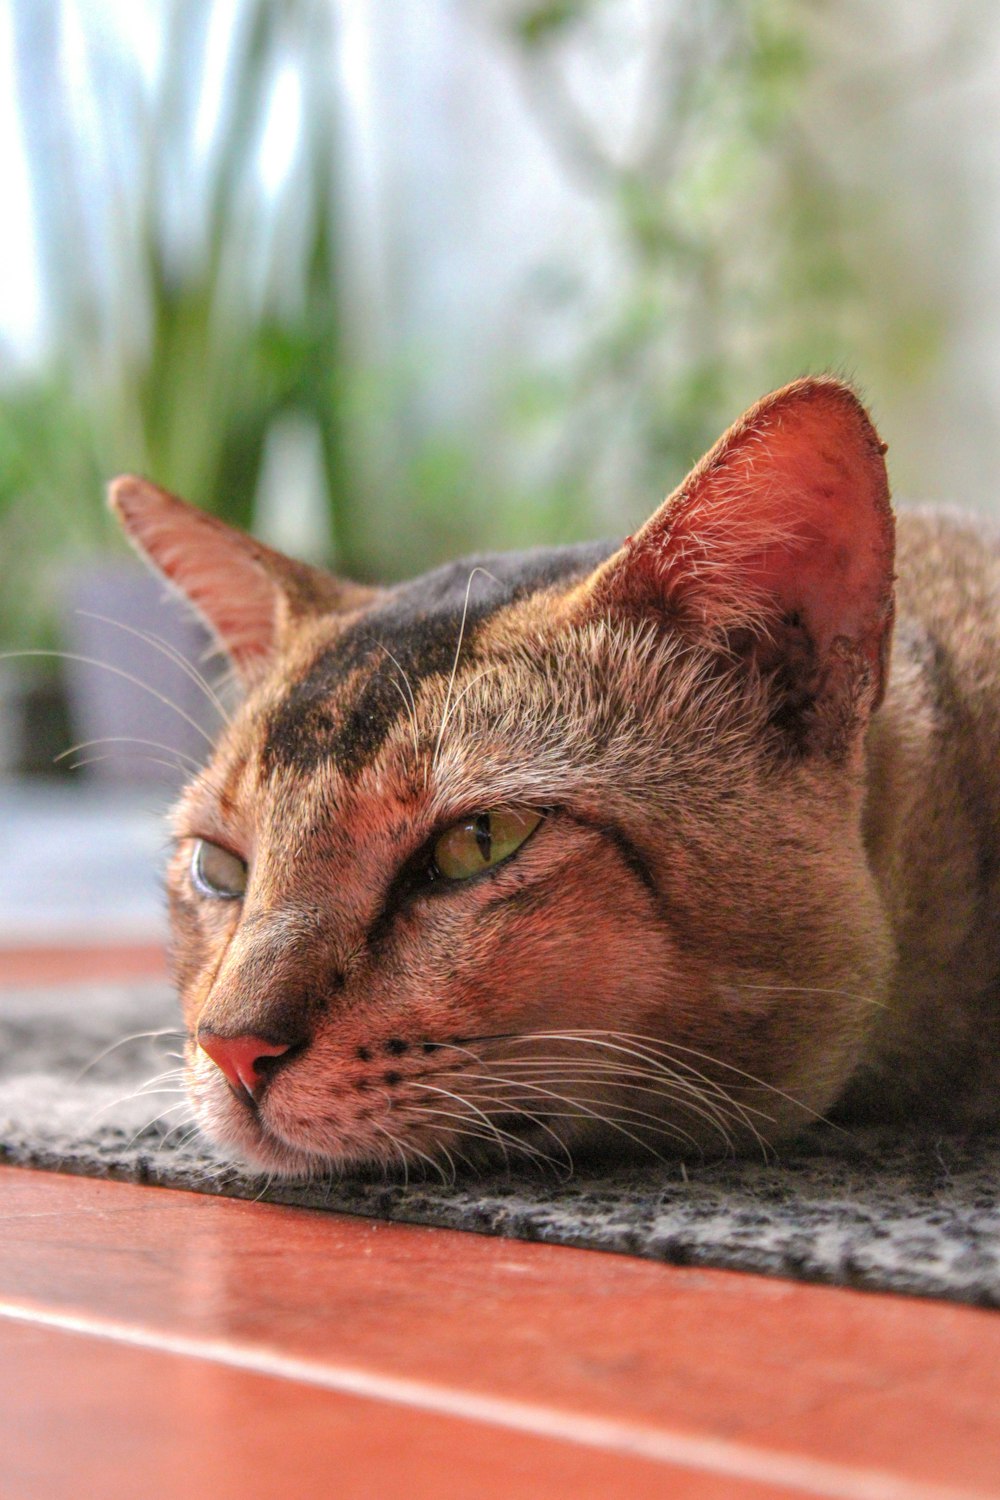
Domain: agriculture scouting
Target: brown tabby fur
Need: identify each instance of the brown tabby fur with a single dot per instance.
(767, 883)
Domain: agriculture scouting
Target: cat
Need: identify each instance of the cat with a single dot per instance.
(600, 850)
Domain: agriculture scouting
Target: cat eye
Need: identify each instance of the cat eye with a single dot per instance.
(479, 843)
(218, 873)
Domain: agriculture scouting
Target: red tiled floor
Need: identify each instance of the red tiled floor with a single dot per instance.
(264, 1343)
(63, 965)
(193, 1429)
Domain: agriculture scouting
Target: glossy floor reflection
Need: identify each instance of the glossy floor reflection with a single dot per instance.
(255, 1349)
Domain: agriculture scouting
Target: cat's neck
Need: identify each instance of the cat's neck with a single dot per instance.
(932, 820)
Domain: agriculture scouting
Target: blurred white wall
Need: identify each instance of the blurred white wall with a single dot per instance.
(459, 204)
(910, 108)
(461, 218)
(454, 198)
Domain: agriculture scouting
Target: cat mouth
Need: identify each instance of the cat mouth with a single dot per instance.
(234, 1122)
(261, 1149)
(281, 1135)
(239, 1126)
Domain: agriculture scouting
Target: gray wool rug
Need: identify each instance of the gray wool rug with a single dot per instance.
(889, 1212)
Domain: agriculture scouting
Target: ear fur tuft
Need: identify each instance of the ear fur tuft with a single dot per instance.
(783, 533)
(247, 593)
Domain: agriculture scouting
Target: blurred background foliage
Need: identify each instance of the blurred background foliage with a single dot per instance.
(188, 300)
(737, 266)
(207, 308)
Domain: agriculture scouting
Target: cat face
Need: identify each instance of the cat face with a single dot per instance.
(543, 855)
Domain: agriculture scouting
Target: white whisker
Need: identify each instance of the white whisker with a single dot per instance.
(458, 652)
(459, 1099)
(539, 1089)
(495, 1133)
(682, 1099)
(92, 661)
(152, 760)
(396, 1145)
(148, 1124)
(170, 652)
(412, 703)
(135, 1036)
(813, 989)
(129, 739)
(647, 1048)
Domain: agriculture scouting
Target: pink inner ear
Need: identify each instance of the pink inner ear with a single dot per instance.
(788, 514)
(213, 566)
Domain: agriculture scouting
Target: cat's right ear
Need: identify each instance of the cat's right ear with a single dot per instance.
(248, 595)
(777, 548)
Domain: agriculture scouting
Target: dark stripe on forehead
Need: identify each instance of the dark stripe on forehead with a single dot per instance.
(342, 709)
(354, 693)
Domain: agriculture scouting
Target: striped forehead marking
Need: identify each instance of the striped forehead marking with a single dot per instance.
(343, 708)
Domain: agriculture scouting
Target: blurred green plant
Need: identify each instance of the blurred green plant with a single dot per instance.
(190, 301)
(741, 261)
(49, 478)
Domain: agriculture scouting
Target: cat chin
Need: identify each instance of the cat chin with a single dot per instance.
(254, 1148)
(275, 1158)
(247, 1141)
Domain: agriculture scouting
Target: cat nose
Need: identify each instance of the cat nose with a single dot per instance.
(240, 1058)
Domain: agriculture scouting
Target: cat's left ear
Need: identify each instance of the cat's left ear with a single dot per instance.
(249, 596)
(779, 547)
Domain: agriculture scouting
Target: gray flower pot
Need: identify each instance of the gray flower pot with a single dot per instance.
(139, 716)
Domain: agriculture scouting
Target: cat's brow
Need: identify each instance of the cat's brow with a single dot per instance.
(342, 709)
(345, 706)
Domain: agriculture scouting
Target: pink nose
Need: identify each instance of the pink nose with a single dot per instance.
(239, 1057)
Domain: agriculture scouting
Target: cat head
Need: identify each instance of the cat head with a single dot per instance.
(544, 853)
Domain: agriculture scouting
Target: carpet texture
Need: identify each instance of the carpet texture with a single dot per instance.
(916, 1214)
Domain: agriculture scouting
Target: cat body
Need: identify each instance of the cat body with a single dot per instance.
(932, 830)
(640, 848)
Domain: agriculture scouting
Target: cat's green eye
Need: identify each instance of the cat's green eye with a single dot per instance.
(479, 843)
(218, 873)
